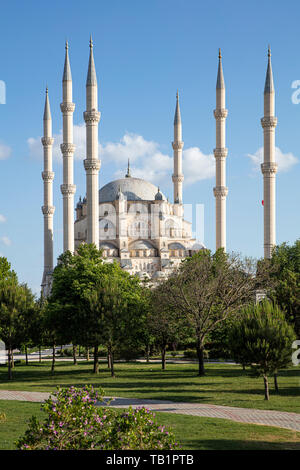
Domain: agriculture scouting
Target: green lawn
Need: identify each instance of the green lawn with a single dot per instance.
(191, 432)
(223, 384)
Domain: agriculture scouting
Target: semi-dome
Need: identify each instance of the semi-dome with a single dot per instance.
(141, 245)
(135, 189)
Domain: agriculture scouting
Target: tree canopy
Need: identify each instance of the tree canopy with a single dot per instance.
(93, 302)
(206, 289)
(261, 337)
(284, 269)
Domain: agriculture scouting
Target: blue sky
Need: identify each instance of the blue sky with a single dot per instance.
(144, 51)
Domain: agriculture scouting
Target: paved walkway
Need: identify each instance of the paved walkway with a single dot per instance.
(280, 419)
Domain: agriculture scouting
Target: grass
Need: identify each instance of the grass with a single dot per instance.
(192, 432)
(223, 384)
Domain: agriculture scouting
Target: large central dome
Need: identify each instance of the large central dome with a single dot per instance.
(135, 189)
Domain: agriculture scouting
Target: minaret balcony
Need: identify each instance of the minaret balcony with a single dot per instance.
(67, 108)
(221, 113)
(92, 117)
(269, 122)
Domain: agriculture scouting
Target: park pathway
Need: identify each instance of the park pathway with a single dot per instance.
(280, 419)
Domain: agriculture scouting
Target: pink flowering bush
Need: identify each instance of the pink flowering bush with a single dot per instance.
(75, 422)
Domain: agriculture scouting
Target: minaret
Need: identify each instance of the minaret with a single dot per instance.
(67, 148)
(92, 162)
(220, 152)
(177, 145)
(269, 166)
(47, 208)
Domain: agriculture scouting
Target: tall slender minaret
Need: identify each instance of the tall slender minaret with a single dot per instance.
(269, 166)
(92, 162)
(220, 152)
(47, 208)
(67, 148)
(177, 145)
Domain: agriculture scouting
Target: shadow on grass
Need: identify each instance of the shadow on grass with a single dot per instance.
(224, 444)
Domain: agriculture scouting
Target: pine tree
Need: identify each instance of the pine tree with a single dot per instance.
(262, 338)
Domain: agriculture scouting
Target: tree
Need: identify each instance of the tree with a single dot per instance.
(262, 337)
(68, 309)
(163, 323)
(206, 289)
(93, 302)
(38, 331)
(5, 270)
(27, 319)
(284, 268)
(12, 306)
(115, 305)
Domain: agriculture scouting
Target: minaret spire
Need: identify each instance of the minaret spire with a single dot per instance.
(91, 76)
(92, 162)
(47, 208)
(220, 76)
(220, 152)
(269, 166)
(177, 145)
(269, 83)
(67, 149)
(128, 175)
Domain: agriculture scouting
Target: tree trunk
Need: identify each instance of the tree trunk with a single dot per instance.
(108, 360)
(74, 355)
(276, 383)
(88, 353)
(53, 359)
(266, 387)
(200, 354)
(163, 357)
(96, 360)
(40, 354)
(148, 353)
(9, 355)
(12, 359)
(26, 356)
(112, 368)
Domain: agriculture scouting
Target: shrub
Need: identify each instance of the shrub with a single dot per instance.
(190, 354)
(74, 422)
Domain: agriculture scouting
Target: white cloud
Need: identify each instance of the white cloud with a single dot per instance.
(5, 240)
(197, 166)
(5, 151)
(146, 159)
(2, 218)
(131, 146)
(151, 164)
(285, 161)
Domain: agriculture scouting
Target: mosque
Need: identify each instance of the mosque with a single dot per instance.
(130, 219)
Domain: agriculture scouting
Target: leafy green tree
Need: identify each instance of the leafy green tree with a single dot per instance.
(284, 268)
(12, 306)
(207, 289)
(38, 332)
(163, 323)
(115, 304)
(68, 311)
(5, 270)
(262, 338)
(27, 319)
(93, 302)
